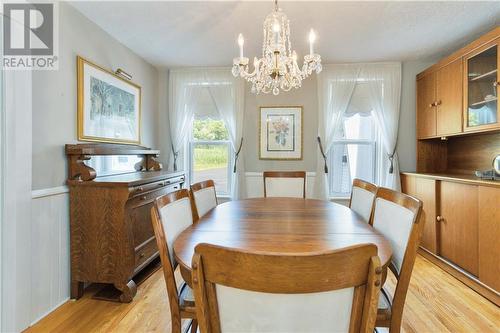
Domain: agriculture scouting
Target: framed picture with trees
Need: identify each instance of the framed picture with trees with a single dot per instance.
(109, 106)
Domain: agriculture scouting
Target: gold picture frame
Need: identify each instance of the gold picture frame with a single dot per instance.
(119, 119)
(287, 131)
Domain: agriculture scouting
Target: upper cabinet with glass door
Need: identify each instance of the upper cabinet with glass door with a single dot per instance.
(481, 105)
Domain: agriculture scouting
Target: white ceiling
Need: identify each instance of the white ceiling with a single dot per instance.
(180, 33)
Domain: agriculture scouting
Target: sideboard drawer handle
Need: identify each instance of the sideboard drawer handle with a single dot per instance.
(140, 189)
(143, 197)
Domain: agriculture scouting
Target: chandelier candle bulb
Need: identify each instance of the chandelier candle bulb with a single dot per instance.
(241, 42)
(312, 38)
(276, 30)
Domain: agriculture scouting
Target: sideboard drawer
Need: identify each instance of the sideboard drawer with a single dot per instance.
(140, 213)
(145, 252)
(140, 190)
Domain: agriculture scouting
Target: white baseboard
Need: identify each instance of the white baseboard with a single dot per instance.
(48, 312)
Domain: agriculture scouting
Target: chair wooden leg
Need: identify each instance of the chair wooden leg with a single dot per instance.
(194, 326)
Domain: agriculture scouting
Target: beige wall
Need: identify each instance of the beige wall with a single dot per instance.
(406, 147)
(306, 97)
(162, 124)
(54, 93)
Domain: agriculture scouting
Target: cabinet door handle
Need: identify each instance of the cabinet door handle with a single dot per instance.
(439, 218)
(438, 103)
(431, 105)
(143, 197)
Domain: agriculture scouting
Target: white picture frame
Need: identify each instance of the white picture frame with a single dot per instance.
(280, 133)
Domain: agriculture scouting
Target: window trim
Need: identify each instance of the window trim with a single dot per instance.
(227, 143)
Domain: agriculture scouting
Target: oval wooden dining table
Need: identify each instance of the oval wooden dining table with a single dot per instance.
(278, 225)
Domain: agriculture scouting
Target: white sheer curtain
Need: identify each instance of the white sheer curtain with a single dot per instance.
(229, 100)
(384, 82)
(335, 87)
(227, 94)
(180, 114)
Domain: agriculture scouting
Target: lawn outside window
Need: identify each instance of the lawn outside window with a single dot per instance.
(210, 154)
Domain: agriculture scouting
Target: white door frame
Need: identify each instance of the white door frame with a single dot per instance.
(16, 201)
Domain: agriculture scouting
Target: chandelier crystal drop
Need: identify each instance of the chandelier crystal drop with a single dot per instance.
(277, 69)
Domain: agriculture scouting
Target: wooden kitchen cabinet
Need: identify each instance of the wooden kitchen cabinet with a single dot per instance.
(489, 236)
(449, 99)
(439, 102)
(458, 225)
(426, 112)
(459, 94)
(424, 190)
(482, 110)
(462, 227)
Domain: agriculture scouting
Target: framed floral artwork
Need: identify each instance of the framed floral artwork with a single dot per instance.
(280, 133)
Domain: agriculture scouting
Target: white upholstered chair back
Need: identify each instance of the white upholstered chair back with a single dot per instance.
(175, 218)
(265, 293)
(394, 221)
(204, 196)
(397, 217)
(291, 184)
(170, 215)
(362, 197)
(250, 311)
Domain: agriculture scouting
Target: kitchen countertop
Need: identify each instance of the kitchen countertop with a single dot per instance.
(462, 178)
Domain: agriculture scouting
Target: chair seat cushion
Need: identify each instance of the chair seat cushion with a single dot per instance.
(186, 296)
(384, 312)
(383, 303)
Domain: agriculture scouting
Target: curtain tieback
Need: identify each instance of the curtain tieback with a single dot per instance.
(391, 161)
(237, 155)
(176, 154)
(322, 153)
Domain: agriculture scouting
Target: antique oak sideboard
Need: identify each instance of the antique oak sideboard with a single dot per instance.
(112, 238)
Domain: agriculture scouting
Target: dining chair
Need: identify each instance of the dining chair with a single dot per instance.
(362, 197)
(291, 184)
(204, 197)
(170, 215)
(396, 216)
(239, 291)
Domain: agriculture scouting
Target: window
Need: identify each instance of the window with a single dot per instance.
(354, 152)
(210, 152)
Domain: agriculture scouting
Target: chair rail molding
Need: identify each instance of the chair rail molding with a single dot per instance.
(47, 192)
(255, 184)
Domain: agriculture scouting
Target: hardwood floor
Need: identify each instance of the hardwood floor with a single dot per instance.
(436, 302)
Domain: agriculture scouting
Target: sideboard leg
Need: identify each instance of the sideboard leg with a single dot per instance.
(128, 291)
(76, 289)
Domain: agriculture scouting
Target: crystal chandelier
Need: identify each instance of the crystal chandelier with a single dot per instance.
(278, 68)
